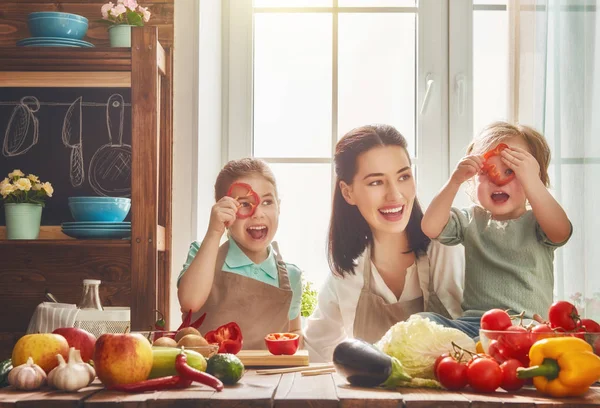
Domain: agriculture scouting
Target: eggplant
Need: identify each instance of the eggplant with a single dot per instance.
(364, 365)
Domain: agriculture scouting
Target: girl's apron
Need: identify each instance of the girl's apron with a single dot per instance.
(374, 316)
(257, 307)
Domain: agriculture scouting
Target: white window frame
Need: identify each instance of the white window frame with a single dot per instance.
(432, 124)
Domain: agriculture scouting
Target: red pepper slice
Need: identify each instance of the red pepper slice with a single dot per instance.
(282, 343)
(228, 337)
(186, 320)
(156, 384)
(192, 374)
(246, 197)
(492, 170)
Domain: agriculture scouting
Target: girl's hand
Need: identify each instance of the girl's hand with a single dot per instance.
(468, 167)
(222, 215)
(525, 166)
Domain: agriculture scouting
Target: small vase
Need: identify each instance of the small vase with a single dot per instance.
(120, 35)
(22, 220)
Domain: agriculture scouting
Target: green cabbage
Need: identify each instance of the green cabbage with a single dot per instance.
(418, 341)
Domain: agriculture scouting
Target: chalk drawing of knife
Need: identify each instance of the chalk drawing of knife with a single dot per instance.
(71, 137)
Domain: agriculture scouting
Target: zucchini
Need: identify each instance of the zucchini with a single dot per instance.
(5, 367)
(163, 361)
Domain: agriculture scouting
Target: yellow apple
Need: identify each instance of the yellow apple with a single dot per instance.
(42, 347)
(122, 358)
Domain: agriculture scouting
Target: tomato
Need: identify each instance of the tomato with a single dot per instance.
(563, 315)
(510, 382)
(498, 351)
(452, 374)
(541, 331)
(495, 319)
(590, 326)
(517, 340)
(597, 346)
(484, 375)
(436, 363)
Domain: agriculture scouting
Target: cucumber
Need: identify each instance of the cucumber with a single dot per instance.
(163, 361)
(5, 367)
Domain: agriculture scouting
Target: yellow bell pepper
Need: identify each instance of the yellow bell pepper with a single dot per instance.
(562, 366)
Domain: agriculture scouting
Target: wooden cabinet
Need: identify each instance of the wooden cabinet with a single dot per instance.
(136, 272)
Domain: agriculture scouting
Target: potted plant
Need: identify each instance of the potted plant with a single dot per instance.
(121, 17)
(308, 302)
(23, 201)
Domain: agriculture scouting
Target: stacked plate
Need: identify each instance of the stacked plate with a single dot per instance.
(97, 229)
(53, 42)
(56, 29)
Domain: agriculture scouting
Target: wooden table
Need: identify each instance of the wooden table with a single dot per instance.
(287, 391)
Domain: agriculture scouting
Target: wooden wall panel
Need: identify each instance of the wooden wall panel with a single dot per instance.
(13, 18)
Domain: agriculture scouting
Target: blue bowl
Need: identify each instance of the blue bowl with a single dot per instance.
(100, 199)
(55, 24)
(115, 211)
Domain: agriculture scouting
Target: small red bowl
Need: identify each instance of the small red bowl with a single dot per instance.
(282, 343)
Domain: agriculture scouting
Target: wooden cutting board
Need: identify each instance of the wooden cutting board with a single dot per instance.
(262, 358)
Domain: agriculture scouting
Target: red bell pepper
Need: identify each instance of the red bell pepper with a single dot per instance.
(282, 343)
(492, 170)
(228, 337)
(246, 207)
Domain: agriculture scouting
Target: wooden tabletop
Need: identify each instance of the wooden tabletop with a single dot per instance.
(287, 391)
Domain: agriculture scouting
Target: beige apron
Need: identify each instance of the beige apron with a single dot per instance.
(257, 307)
(374, 316)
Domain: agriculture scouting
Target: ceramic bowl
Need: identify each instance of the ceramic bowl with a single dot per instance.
(57, 24)
(114, 210)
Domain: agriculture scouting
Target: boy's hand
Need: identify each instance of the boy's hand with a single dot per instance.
(222, 215)
(467, 168)
(525, 166)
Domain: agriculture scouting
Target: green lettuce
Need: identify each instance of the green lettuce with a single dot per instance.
(417, 342)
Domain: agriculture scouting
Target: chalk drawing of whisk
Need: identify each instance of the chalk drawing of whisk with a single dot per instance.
(22, 130)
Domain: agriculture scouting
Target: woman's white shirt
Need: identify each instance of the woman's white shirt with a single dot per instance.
(333, 319)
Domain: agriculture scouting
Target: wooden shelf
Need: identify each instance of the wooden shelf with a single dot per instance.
(35, 59)
(68, 242)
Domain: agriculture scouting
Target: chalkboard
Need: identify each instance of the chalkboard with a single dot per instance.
(78, 139)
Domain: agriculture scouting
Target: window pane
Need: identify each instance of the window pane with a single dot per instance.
(376, 80)
(490, 2)
(293, 3)
(377, 3)
(292, 85)
(490, 67)
(305, 193)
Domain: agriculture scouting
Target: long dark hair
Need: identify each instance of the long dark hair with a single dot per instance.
(349, 233)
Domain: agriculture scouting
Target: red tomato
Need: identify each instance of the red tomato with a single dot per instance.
(436, 363)
(510, 382)
(563, 315)
(452, 374)
(517, 340)
(484, 375)
(495, 319)
(590, 326)
(597, 346)
(541, 331)
(498, 351)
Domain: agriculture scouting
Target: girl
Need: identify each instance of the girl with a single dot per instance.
(509, 250)
(244, 280)
(384, 267)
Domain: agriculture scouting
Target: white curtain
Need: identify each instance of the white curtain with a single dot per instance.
(555, 75)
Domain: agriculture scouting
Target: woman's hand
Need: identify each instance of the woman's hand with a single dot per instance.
(525, 166)
(222, 215)
(468, 167)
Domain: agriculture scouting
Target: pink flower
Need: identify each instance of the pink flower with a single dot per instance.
(105, 9)
(130, 4)
(118, 10)
(145, 13)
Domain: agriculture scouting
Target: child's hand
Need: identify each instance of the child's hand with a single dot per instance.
(222, 215)
(525, 166)
(467, 168)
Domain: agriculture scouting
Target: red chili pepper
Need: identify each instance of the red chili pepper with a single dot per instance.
(492, 170)
(156, 384)
(228, 337)
(186, 321)
(192, 374)
(160, 324)
(252, 202)
(196, 324)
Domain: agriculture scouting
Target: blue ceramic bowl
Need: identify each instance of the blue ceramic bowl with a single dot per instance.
(99, 199)
(114, 211)
(55, 24)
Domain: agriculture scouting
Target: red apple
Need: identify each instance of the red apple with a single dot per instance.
(82, 340)
(122, 358)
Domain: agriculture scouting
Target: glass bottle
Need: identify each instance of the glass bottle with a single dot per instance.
(90, 298)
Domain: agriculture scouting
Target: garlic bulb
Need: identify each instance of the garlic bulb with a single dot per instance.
(27, 376)
(71, 376)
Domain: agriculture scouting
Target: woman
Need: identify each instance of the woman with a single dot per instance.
(384, 268)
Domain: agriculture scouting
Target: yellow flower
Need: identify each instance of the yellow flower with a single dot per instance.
(23, 184)
(6, 189)
(48, 189)
(33, 178)
(36, 187)
(3, 182)
(15, 173)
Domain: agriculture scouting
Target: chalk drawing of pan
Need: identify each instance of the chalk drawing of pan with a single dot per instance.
(23, 127)
(110, 167)
(71, 137)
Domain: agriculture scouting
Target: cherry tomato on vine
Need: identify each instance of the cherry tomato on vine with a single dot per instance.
(495, 319)
(484, 375)
(452, 374)
(436, 363)
(563, 315)
(517, 340)
(510, 382)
